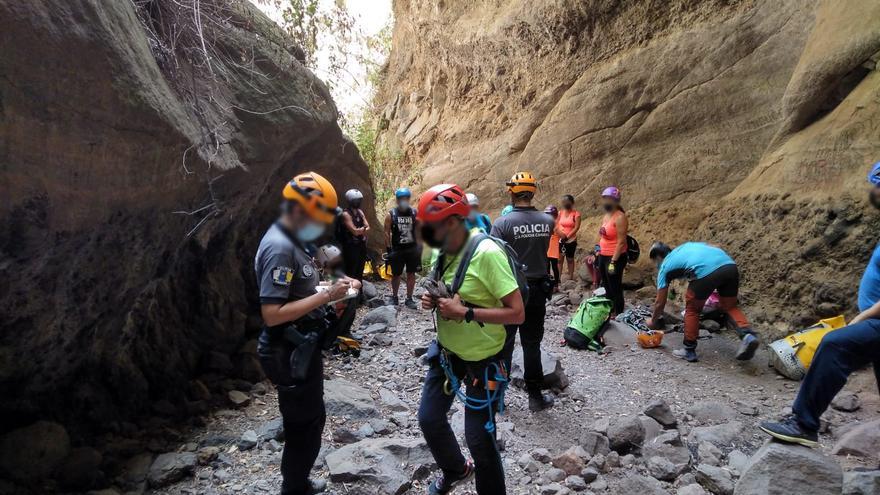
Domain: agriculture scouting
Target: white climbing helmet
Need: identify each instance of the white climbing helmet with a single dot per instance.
(353, 195)
(472, 199)
(328, 253)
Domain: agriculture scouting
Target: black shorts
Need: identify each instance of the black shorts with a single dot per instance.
(409, 260)
(569, 248)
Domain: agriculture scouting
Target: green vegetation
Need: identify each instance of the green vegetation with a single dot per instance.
(388, 166)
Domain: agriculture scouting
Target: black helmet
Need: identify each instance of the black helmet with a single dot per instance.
(659, 250)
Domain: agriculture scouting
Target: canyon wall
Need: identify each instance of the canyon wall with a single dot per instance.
(142, 156)
(749, 124)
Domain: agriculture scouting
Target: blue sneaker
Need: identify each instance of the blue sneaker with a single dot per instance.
(790, 431)
(747, 347)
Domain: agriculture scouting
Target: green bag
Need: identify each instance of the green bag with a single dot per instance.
(587, 324)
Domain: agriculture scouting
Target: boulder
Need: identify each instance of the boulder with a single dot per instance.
(692, 489)
(389, 464)
(641, 485)
(171, 467)
(390, 400)
(81, 469)
(846, 402)
(663, 469)
(271, 430)
(714, 479)
(595, 443)
(386, 315)
(781, 469)
(711, 412)
(861, 483)
(346, 399)
(722, 436)
(369, 290)
(601, 426)
(862, 440)
(651, 426)
(554, 375)
(33, 452)
(570, 462)
(659, 410)
(626, 434)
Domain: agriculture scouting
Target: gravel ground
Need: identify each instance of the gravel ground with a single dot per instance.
(615, 385)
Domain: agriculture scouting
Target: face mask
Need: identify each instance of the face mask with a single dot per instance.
(872, 197)
(566, 207)
(608, 207)
(403, 205)
(309, 232)
(472, 216)
(355, 204)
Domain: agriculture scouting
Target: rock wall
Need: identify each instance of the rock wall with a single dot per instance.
(114, 118)
(750, 124)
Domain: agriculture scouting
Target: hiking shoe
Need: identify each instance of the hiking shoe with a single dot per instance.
(539, 402)
(747, 347)
(410, 303)
(445, 484)
(392, 301)
(689, 355)
(790, 431)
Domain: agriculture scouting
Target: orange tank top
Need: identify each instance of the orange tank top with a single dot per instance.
(553, 248)
(608, 236)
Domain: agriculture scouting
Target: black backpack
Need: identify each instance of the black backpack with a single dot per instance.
(516, 267)
(633, 251)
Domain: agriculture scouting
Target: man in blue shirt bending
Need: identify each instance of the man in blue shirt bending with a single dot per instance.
(840, 353)
(708, 268)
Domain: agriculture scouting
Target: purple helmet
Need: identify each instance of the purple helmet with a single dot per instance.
(611, 192)
(551, 210)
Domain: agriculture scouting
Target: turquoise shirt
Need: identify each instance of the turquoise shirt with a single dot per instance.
(691, 260)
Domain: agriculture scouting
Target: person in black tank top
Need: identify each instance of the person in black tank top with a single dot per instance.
(353, 236)
(404, 253)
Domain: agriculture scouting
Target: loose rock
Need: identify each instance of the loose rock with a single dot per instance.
(711, 412)
(779, 469)
(847, 402)
(575, 483)
(569, 462)
(386, 462)
(345, 399)
(659, 410)
(662, 469)
(641, 485)
(35, 451)
(238, 398)
(861, 483)
(386, 315)
(862, 440)
(714, 479)
(594, 443)
(554, 375)
(722, 436)
(171, 467)
(626, 434)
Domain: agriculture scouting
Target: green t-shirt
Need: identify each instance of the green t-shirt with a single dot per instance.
(488, 279)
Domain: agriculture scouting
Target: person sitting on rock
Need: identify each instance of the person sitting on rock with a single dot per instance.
(708, 268)
(839, 354)
(470, 341)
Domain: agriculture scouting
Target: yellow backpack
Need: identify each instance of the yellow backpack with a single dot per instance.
(792, 355)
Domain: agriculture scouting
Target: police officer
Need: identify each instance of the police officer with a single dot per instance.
(402, 247)
(528, 231)
(295, 319)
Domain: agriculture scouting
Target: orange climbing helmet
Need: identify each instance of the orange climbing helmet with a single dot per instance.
(650, 339)
(442, 201)
(522, 182)
(315, 194)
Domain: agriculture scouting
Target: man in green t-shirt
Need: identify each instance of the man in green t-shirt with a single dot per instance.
(469, 345)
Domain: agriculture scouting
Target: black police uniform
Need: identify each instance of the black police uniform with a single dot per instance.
(290, 353)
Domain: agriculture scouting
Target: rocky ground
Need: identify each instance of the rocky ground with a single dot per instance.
(629, 421)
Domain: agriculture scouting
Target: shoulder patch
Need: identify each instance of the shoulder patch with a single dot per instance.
(308, 271)
(282, 275)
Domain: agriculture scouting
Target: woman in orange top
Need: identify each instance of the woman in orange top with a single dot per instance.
(612, 248)
(568, 225)
(553, 248)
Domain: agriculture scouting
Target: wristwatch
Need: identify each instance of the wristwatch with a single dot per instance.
(469, 315)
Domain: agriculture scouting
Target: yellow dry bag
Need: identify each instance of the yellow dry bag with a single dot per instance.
(792, 355)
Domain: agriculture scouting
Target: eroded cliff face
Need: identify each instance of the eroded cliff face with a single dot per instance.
(748, 124)
(111, 120)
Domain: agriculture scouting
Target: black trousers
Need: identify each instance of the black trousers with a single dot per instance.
(839, 354)
(531, 333)
(354, 257)
(434, 422)
(554, 266)
(613, 283)
(302, 412)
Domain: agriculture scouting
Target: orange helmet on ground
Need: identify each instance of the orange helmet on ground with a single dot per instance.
(440, 202)
(522, 182)
(315, 194)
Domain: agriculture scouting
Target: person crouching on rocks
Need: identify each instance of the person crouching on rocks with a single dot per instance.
(470, 340)
(708, 268)
(294, 321)
(839, 354)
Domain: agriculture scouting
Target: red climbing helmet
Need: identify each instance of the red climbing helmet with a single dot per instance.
(440, 202)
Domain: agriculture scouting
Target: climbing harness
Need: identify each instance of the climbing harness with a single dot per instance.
(495, 388)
